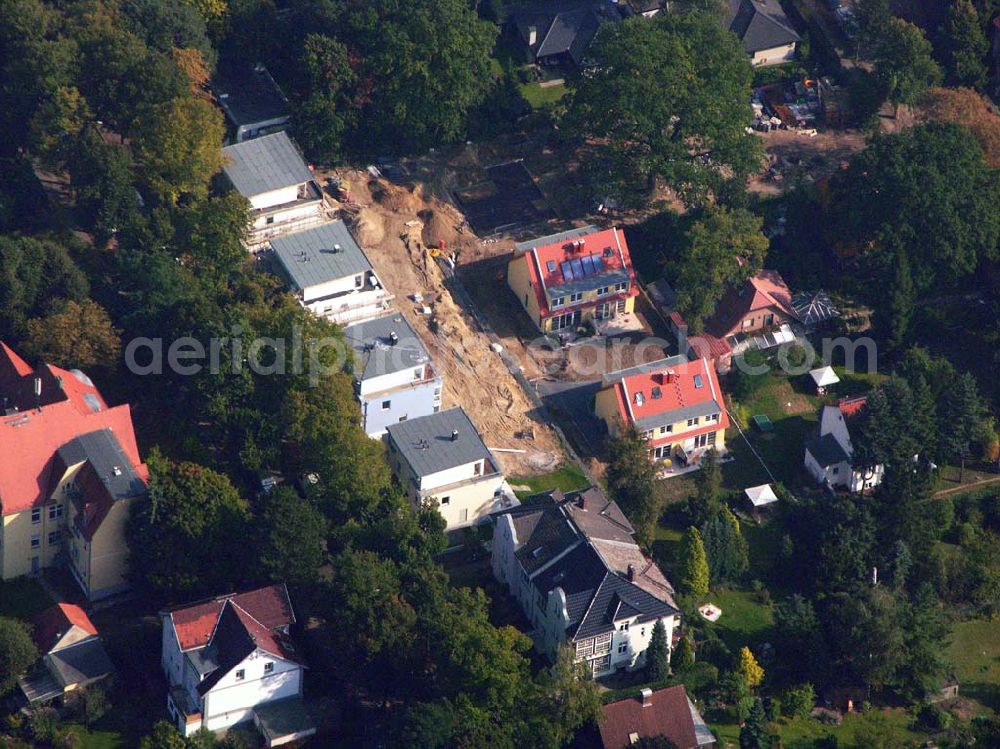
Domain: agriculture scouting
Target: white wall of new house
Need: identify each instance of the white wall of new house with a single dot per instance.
(232, 700)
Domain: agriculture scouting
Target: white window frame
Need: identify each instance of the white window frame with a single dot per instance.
(558, 301)
(36, 515)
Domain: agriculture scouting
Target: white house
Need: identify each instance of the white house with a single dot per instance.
(227, 658)
(829, 454)
(767, 35)
(330, 273)
(284, 198)
(581, 580)
(395, 379)
(441, 460)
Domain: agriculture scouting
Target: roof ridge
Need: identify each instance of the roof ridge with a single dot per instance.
(597, 591)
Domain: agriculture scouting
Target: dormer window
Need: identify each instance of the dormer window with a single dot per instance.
(698, 382)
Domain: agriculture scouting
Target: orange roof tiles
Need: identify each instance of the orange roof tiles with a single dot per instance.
(30, 437)
(55, 621)
(765, 290)
(195, 624)
(671, 388)
(545, 263)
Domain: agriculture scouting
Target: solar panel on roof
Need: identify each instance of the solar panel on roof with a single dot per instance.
(577, 268)
(598, 263)
(551, 265)
(567, 271)
(588, 265)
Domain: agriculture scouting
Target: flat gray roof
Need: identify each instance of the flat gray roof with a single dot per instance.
(263, 164)
(376, 351)
(315, 256)
(426, 443)
(554, 238)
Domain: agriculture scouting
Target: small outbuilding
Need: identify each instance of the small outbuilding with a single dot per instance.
(823, 377)
(761, 496)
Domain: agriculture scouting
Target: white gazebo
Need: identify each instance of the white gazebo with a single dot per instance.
(761, 496)
(824, 377)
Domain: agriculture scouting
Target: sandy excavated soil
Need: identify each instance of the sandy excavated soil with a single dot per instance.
(396, 225)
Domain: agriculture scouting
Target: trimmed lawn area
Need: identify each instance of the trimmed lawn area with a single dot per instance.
(22, 598)
(801, 733)
(91, 739)
(539, 96)
(567, 478)
(744, 620)
(974, 653)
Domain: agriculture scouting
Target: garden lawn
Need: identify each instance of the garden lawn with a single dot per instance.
(567, 478)
(974, 654)
(22, 598)
(801, 733)
(91, 739)
(539, 96)
(744, 620)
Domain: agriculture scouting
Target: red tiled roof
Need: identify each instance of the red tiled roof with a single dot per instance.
(668, 714)
(55, 621)
(678, 389)
(30, 438)
(852, 406)
(269, 606)
(268, 640)
(765, 290)
(608, 244)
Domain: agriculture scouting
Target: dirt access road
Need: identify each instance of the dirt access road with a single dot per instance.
(397, 225)
(796, 155)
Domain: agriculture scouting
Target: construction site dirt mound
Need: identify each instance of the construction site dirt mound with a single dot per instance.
(438, 231)
(369, 228)
(474, 374)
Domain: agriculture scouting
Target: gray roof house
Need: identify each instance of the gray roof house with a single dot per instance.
(559, 32)
(441, 460)
(330, 273)
(270, 173)
(252, 101)
(395, 379)
(573, 565)
(767, 35)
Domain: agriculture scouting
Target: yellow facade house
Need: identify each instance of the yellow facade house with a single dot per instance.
(69, 476)
(564, 280)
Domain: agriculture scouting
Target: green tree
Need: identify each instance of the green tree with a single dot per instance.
(754, 733)
(420, 71)
(657, 652)
(168, 24)
(963, 418)
(570, 699)
(964, 45)
(661, 95)
(682, 657)
(325, 108)
(34, 275)
(17, 652)
(75, 336)
(903, 62)
(802, 649)
(631, 481)
(894, 315)
(721, 249)
(693, 564)
(725, 547)
(925, 192)
(706, 500)
(102, 180)
(872, 17)
(290, 533)
(185, 538)
(798, 701)
(867, 628)
(926, 635)
(163, 736)
(178, 144)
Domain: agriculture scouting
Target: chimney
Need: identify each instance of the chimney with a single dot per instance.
(454, 435)
(38, 386)
(647, 696)
(532, 36)
(393, 338)
(630, 573)
(581, 502)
